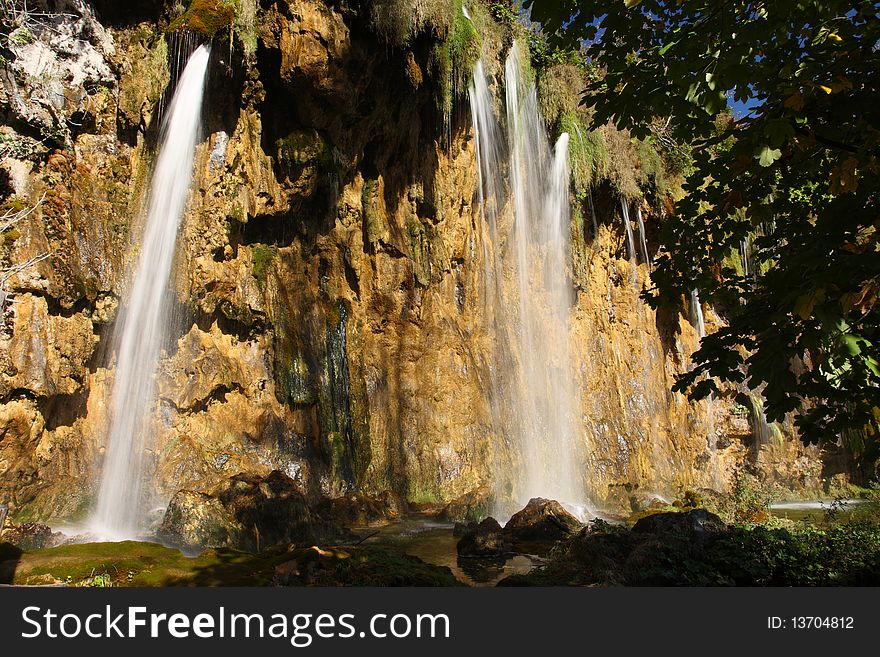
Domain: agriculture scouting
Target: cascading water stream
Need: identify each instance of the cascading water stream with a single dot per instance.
(643, 240)
(141, 325)
(630, 240)
(528, 225)
(698, 321)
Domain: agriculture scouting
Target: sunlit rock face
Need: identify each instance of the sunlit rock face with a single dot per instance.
(330, 289)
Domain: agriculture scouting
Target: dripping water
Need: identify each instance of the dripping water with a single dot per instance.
(181, 46)
(698, 321)
(643, 241)
(630, 240)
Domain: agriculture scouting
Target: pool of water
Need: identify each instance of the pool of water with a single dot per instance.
(816, 511)
(433, 542)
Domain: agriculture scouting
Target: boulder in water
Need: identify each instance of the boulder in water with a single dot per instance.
(541, 521)
(485, 539)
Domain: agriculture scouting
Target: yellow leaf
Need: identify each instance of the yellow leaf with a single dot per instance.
(827, 90)
(848, 301)
(834, 36)
(806, 302)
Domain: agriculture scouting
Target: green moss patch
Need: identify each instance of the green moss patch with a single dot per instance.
(206, 16)
(132, 563)
(261, 259)
(306, 147)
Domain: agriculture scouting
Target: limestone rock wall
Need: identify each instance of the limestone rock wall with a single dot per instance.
(328, 276)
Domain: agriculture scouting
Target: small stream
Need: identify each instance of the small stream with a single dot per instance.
(433, 542)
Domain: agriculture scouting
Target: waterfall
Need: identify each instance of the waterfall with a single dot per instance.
(697, 319)
(745, 254)
(630, 240)
(526, 233)
(141, 325)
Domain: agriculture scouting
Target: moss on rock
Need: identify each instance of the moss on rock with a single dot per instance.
(206, 16)
(262, 257)
(306, 147)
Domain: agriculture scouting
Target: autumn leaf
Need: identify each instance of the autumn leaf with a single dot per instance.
(842, 84)
(843, 177)
(795, 101)
(805, 303)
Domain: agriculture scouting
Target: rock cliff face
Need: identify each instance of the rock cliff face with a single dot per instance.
(328, 277)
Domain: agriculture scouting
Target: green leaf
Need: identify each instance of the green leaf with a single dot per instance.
(666, 48)
(767, 156)
(778, 131)
(851, 344)
(710, 80)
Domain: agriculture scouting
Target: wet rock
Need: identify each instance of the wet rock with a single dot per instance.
(196, 520)
(644, 500)
(541, 521)
(247, 512)
(210, 363)
(360, 509)
(473, 506)
(486, 539)
(30, 536)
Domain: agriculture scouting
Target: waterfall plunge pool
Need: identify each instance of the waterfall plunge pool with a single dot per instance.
(434, 542)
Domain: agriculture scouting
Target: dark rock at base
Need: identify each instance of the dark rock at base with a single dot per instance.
(485, 539)
(698, 525)
(360, 509)
(246, 512)
(31, 536)
(358, 566)
(541, 521)
(196, 520)
(473, 506)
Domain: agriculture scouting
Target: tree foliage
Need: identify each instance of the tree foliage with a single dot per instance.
(794, 177)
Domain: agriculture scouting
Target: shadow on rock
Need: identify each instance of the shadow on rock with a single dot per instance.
(247, 512)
